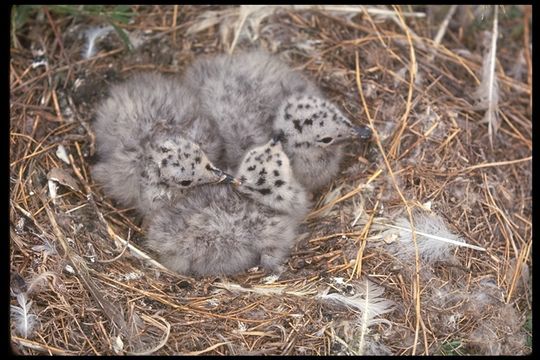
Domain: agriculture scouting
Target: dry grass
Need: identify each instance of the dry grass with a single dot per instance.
(411, 77)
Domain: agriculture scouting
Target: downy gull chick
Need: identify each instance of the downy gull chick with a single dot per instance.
(223, 230)
(151, 144)
(253, 95)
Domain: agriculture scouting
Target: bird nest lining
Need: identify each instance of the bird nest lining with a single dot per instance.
(456, 162)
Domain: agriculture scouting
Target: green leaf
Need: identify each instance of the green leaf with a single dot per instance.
(20, 14)
(123, 36)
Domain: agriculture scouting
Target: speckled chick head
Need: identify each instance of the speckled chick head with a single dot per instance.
(267, 177)
(310, 121)
(177, 163)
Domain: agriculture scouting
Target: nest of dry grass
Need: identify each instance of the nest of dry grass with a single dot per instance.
(79, 286)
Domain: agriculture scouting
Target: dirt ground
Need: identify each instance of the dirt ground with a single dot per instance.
(452, 152)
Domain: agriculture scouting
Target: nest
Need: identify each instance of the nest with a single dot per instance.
(454, 162)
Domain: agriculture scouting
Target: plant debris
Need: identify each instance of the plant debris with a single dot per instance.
(410, 72)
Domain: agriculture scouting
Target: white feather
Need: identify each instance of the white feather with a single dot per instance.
(488, 90)
(24, 320)
(48, 248)
(434, 240)
(369, 302)
(92, 36)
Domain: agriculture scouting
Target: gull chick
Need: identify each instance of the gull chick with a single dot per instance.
(253, 95)
(223, 230)
(151, 145)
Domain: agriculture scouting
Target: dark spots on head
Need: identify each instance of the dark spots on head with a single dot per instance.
(308, 122)
(297, 145)
(279, 162)
(248, 159)
(339, 135)
(267, 150)
(187, 155)
(164, 184)
(297, 125)
(261, 181)
(198, 159)
(288, 116)
(243, 178)
(258, 158)
(334, 117)
(324, 115)
(289, 105)
(279, 198)
(262, 172)
(163, 149)
(208, 167)
(192, 166)
(279, 183)
(193, 173)
(185, 183)
(170, 156)
(144, 174)
(251, 168)
(164, 162)
(183, 169)
(276, 173)
(300, 106)
(321, 124)
(264, 191)
(269, 157)
(176, 164)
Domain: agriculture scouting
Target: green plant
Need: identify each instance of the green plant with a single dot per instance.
(452, 348)
(110, 14)
(528, 328)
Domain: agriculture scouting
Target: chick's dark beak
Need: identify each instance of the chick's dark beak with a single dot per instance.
(229, 179)
(363, 132)
(277, 137)
(225, 178)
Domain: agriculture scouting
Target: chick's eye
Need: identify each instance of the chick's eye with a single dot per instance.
(326, 140)
(186, 183)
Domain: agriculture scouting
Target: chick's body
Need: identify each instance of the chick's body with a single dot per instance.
(222, 230)
(215, 230)
(148, 127)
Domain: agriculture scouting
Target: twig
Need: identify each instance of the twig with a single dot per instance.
(244, 13)
(164, 325)
(350, 194)
(409, 212)
(175, 15)
(413, 68)
(442, 31)
(357, 269)
(494, 164)
(41, 347)
(522, 258)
